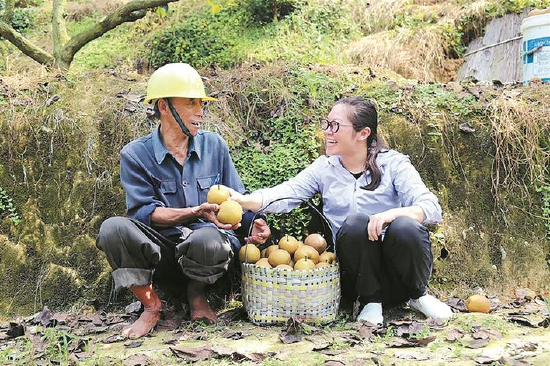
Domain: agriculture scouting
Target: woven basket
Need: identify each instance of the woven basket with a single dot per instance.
(273, 295)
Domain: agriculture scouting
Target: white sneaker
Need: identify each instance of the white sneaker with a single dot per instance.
(372, 313)
(431, 307)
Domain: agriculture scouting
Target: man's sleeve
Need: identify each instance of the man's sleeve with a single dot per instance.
(141, 199)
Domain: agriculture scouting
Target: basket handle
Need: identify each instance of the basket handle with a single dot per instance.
(326, 223)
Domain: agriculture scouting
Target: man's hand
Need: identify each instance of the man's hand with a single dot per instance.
(208, 212)
(260, 232)
(378, 222)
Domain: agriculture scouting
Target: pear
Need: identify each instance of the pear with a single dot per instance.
(263, 262)
(304, 264)
(288, 243)
(316, 241)
(327, 257)
(217, 194)
(249, 253)
(322, 264)
(279, 256)
(230, 212)
(478, 304)
(306, 251)
(285, 267)
(270, 250)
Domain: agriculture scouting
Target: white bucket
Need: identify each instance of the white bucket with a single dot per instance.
(536, 46)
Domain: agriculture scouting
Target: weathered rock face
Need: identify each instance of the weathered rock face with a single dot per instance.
(496, 55)
(59, 163)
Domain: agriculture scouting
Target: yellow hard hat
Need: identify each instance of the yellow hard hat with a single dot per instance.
(175, 80)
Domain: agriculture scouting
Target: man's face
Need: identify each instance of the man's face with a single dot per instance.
(190, 111)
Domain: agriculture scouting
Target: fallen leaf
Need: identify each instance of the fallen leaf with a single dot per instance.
(466, 127)
(366, 331)
(114, 338)
(525, 293)
(487, 334)
(172, 341)
(133, 344)
(288, 338)
(134, 307)
(232, 334)
(60, 318)
(52, 100)
(15, 330)
(436, 323)
(488, 360)
(400, 342)
(412, 356)
(43, 318)
(39, 343)
(454, 334)
(457, 303)
(424, 341)
(137, 360)
(334, 363)
(477, 343)
(332, 352)
(194, 354)
(523, 320)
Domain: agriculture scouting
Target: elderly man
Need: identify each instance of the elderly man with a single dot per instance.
(172, 233)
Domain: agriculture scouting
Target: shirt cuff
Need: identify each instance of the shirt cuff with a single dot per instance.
(144, 213)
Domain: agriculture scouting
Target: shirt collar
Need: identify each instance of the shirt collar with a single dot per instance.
(158, 147)
(161, 151)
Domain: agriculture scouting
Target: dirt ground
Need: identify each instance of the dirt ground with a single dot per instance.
(514, 333)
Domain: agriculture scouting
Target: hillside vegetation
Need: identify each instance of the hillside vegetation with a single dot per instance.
(483, 149)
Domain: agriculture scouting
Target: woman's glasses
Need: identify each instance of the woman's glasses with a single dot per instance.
(333, 125)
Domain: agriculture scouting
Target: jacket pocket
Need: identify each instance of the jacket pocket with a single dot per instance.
(168, 186)
(203, 185)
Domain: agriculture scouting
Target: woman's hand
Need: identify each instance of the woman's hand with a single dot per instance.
(260, 232)
(208, 212)
(252, 201)
(377, 222)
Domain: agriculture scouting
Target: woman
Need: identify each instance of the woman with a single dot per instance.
(377, 205)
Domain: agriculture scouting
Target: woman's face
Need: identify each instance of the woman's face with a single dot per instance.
(345, 141)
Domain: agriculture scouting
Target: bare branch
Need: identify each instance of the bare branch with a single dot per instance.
(129, 12)
(29, 49)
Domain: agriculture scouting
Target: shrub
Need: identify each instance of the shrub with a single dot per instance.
(266, 11)
(203, 38)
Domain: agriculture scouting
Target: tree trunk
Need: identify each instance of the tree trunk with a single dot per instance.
(8, 11)
(59, 31)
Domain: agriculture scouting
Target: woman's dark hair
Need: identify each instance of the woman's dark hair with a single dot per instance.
(363, 114)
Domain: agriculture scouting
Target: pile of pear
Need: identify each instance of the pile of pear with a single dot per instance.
(290, 254)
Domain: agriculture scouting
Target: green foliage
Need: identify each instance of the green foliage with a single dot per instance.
(7, 207)
(114, 46)
(266, 11)
(499, 8)
(227, 33)
(201, 39)
(287, 139)
(23, 19)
